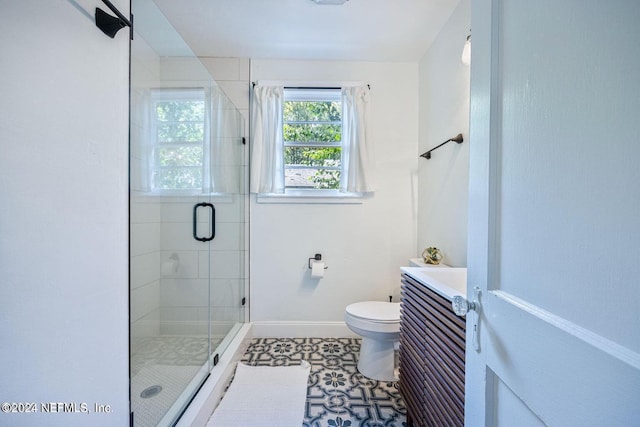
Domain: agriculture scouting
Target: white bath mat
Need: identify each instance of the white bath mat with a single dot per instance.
(264, 396)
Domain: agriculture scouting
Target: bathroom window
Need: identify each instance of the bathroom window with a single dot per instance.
(179, 130)
(310, 142)
(312, 139)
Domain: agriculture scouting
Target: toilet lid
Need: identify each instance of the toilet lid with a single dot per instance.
(377, 311)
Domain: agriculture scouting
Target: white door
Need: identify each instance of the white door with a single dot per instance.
(554, 232)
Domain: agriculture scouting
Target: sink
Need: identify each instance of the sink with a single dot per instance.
(448, 282)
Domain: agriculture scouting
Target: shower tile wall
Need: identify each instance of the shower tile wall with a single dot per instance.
(145, 267)
(185, 295)
(177, 304)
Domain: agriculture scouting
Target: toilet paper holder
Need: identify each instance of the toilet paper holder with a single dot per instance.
(316, 257)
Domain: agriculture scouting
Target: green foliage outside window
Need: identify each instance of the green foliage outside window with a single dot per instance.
(180, 138)
(180, 121)
(314, 123)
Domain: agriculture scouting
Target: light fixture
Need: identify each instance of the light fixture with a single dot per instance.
(466, 51)
(330, 1)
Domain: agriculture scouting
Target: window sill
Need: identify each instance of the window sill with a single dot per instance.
(312, 197)
(184, 196)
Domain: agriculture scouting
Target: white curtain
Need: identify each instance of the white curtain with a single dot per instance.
(267, 160)
(222, 166)
(357, 153)
(141, 147)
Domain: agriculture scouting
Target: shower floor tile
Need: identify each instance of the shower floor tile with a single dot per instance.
(337, 394)
(170, 350)
(168, 361)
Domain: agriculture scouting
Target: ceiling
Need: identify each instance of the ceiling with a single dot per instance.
(361, 30)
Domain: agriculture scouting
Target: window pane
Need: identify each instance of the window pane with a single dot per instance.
(312, 117)
(180, 132)
(312, 156)
(180, 156)
(312, 167)
(312, 132)
(180, 110)
(311, 178)
(179, 143)
(178, 178)
(316, 111)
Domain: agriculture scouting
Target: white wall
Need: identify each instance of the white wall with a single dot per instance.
(444, 112)
(63, 212)
(363, 244)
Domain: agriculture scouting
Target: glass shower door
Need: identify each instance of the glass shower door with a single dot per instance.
(170, 336)
(172, 228)
(229, 248)
(187, 220)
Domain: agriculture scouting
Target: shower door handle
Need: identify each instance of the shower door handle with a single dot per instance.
(195, 221)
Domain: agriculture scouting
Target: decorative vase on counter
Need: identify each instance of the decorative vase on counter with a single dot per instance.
(432, 255)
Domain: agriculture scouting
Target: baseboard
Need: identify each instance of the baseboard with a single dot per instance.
(303, 329)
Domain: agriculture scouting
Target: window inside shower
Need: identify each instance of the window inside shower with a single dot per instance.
(178, 139)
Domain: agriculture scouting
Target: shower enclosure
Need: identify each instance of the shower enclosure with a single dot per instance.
(187, 220)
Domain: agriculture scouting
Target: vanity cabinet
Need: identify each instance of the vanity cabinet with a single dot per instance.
(432, 348)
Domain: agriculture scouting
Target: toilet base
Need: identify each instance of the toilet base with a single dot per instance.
(377, 359)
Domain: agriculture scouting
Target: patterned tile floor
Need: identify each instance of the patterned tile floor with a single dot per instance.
(337, 394)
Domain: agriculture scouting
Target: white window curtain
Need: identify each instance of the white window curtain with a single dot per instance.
(222, 170)
(141, 147)
(267, 159)
(357, 153)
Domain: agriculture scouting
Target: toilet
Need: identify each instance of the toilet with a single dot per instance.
(378, 323)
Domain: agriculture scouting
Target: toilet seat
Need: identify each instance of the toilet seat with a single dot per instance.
(374, 317)
(375, 311)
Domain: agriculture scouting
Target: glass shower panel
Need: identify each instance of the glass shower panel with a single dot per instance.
(170, 286)
(229, 248)
(187, 220)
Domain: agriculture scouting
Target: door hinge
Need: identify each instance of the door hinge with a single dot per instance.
(244, 300)
(216, 359)
(244, 141)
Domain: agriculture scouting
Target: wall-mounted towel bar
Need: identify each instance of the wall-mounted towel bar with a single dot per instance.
(458, 138)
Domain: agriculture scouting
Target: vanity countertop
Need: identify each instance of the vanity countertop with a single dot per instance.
(448, 282)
